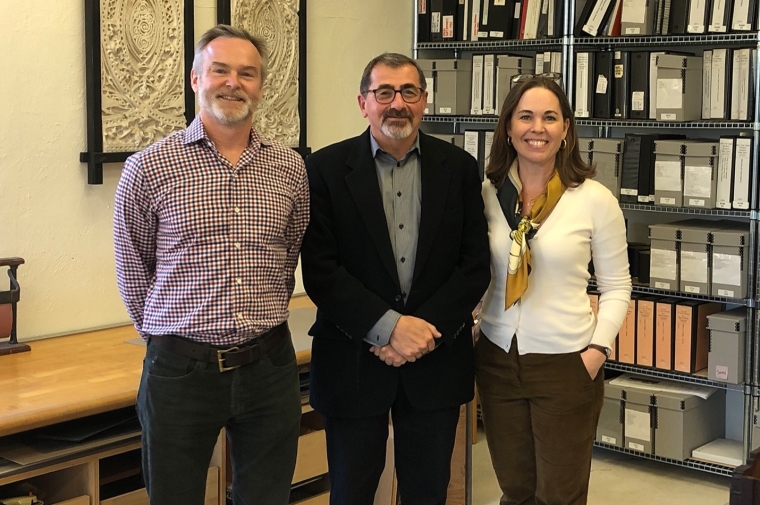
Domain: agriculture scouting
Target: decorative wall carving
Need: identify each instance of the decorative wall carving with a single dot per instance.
(142, 72)
(277, 22)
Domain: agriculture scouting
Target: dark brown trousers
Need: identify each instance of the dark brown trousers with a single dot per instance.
(540, 413)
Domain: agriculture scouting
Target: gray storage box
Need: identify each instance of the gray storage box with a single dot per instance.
(725, 359)
(694, 257)
(428, 68)
(453, 80)
(668, 172)
(685, 422)
(663, 263)
(640, 417)
(607, 154)
(679, 87)
(585, 146)
(452, 138)
(756, 433)
(612, 418)
(729, 260)
(700, 174)
(508, 66)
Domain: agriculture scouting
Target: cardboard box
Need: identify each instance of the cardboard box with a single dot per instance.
(645, 328)
(663, 267)
(679, 87)
(668, 172)
(612, 418)
(729, 260)
(665, 325)
(694, 261)
(627, 335)
(725, 360)
(686, 422)
(428, 68)
(454, 80)
(692, 337)
(700, 175)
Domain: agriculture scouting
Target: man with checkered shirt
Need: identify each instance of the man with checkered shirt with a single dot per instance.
(208, 225)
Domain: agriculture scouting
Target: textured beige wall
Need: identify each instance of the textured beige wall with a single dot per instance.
(62, 226)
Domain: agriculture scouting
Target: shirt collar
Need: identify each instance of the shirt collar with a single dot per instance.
(196, 132)
(376, 147)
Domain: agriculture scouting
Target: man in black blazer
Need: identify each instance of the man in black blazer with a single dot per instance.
(395, 258)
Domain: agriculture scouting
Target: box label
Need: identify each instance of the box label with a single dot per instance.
(662, 285)
(444, 110)
(609, 440)
(721, 372)
(635, 447)
(726, 292)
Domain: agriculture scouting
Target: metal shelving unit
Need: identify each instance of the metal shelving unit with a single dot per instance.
(690, 43)
(689, 463)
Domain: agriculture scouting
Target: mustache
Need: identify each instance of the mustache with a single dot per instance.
(392, 113)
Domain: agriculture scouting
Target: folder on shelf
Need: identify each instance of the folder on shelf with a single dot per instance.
(639, 82)
(743, 16)
(621, 86)
(692, 337)
(658, 15)
(700, 173)
(720, 16)
(476, 100)
(542, 26)
(668, 172)
(423, 21)
(594, 18)
(614, 23)
(474, 26)
(645, 323)
(531, 12)
(719, 83)
(517, 20)
(489, 81)
(665, 321)
(483, 19)
(698, 16)
(500, 17)
(449, 20)
(706, 83)
(742, 84)
(637, 17)
(603, 85)
(584, 72)
(742, 172)
(665, 22)
(463, 20)
(627, 335)
(436, 20)
(725, 179)
(679, 17)
(478, 144)
(487, 144)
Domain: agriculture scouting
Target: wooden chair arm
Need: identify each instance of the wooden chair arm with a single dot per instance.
(11, 262)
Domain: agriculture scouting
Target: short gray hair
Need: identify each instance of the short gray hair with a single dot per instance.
(392, 60)
(234, 33)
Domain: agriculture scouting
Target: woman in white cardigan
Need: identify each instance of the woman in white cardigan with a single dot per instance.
(539, 361)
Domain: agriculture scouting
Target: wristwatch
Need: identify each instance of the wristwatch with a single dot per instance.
(605, 350)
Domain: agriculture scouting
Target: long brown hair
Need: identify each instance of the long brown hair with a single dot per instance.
(570, 166)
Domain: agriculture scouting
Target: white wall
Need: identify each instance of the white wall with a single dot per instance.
(62, 226)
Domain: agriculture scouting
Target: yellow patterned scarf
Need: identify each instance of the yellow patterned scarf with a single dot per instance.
(519, 254)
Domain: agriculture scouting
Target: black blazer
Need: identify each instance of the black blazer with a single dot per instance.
(349, 271)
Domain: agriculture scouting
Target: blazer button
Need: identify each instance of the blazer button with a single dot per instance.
(398, 298)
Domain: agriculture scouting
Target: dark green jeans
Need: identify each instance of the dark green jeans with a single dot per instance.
(540, 413)
(183, 404)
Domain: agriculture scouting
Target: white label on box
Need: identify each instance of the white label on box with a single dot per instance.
(692, 289)
(448, 27)
(632, 30)
(721, 372)
(444, 110)
(435, 23)
(695, 202)
(637, 425)
(667, 201)
(427, 111)
(695, 28)
(669, 94)
(694, 267)
(662, 265)
(629, 192)
(635, 446)
(500, 3)
(618, 71)
(422, 9)
(726, 292)
(497, 35)
(601, 85)
(637, 100)
(668, 117)
(618, 55)
(697, 181)
(727, 269)
(662, 285)
(634, 11)
(430, 85)
(643, 199)
(609, 440)
(667, 176)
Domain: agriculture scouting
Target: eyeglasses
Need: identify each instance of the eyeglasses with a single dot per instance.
(554, 76)
(387, 95)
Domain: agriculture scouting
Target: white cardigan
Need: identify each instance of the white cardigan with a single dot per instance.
(554, 315)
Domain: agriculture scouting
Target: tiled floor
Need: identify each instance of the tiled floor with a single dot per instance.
(618, 479)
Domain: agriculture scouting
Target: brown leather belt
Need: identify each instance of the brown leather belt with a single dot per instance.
(227, 357)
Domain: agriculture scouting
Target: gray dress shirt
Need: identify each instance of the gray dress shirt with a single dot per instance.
(401, 188)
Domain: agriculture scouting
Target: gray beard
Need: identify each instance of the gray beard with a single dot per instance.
(228, 117)
(397, 132)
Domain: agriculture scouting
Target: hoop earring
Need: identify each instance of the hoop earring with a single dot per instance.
(509, 140)
(564, 144)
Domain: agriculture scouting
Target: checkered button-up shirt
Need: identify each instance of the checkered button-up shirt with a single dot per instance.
(206, 250)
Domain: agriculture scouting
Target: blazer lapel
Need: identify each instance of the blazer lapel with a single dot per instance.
(365, 190)
(435, 183)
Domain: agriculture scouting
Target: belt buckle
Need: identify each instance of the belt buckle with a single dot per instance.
(220, 359)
